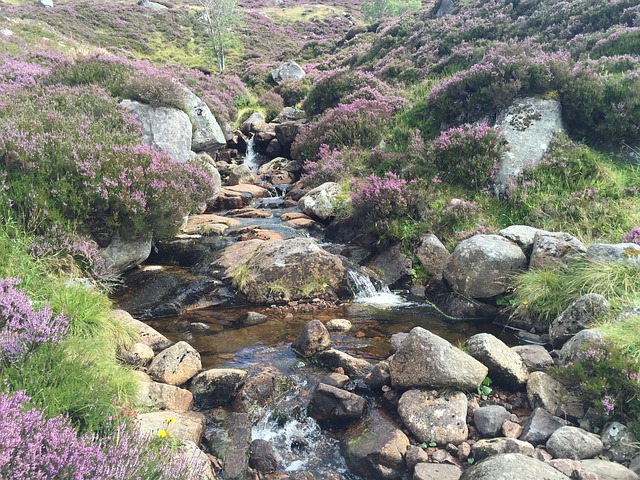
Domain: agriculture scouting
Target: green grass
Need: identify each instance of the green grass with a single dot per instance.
(624, 335)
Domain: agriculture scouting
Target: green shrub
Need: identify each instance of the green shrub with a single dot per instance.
(293, 92)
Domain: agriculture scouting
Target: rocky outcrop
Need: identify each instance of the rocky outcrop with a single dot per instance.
(290, 71)
(505, 366)
(528, 126)
(578, 316)
(124, 254)
(480, 267)
(512, 466)
(425, 360)
(217, 386)
(320, 202)
(176, 364)
(207, 134)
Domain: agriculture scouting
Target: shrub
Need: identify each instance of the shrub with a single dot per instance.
(293, 92)
(332, 165)
(632, 236)
(272, 103)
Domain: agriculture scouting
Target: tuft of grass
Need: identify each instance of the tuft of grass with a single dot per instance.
(623, 334)
(240, 277)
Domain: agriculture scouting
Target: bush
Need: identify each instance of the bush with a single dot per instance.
(272, 103)
(332, 165)
(632, 236)
(293, 92)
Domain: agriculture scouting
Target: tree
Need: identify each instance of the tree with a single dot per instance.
(379, 9)
(219, 18)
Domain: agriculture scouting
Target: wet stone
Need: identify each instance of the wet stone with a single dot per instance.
(263, 457)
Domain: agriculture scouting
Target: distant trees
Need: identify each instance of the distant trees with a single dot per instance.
(219, 18)
(378, 9)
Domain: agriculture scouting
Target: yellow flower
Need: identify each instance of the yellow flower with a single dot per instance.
(162, 433)
(525, 303)
(169, 419)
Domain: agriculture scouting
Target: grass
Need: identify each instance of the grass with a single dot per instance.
(302, 13)
(625, 334)
(240, 277)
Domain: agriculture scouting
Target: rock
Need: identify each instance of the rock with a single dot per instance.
(184, 426)
(313, 338)
(574, 348)
(459, 306)
(147, 335)
(433, 418)
(293, 269)
(480, 266)
(217, 386)
(230, 441)
(435, 471)
(391, 265)
(378, 376)
(539, 426)
(253, 318)
(570, 468)
(339, 325)
(207, 134)
(512, 466)
(152, 5)
(239, 175)
(319, 203)
(522, 235)
(535, 357)
(545, 392)
(446, 7)
(511, 429)
(290, 71)
(334, 379)
(280, 164)
(578, 316)
(505, 366)
(634, 466)
(122, 255)
(414, 456)
(160, 396)
(331, 404)
(489, 420)
(263, 458)
(396, 341)
(176, 364)
(255, 123)
(352, 366)
(137, 355)
(5, 32)
(253, 191)
(374, 447)
(45, 3)
(551, 249)
(290, 114)
(488, 447)
(623, 253)
(620, 444)
(433, 255)
(606, 470)
(196, 461)
(426, 360)
(574, 443)
(259, 390)
(528, 126)
(164, 129)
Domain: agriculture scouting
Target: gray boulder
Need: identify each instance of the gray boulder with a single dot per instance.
(152, 5)
(535, 357)
(164, 129)
(137, 355)
(207, 134)
(320, 202)
(488, 447)
(290, 114)
(436, 471)
(146, 334)
(433, 255)
(374, 447)
(512, 466)
(122, 255)
(480, 266)
(538, 427)
(528, 126)
(331, 404)
(574, 443)
(255, 123)
(574, 348)
(391, 265)
(217, 386)
(522, 235)
(551, 249)
(606, 470)
(352, 366)
(280, 164)
(446, 7)
(379, 375)
(545, 392)
(426, 360)
(290, 71)
(313, 338)
(578, 316)
(176, 364)
(432, 417)
(624, 253)
(620, 444)
(505, 366)
(489, 420)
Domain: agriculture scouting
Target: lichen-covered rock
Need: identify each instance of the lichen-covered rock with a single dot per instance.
(505, 366)
(432, 417)
(552, 249)
(574, 443)
(433, 255)
(196, 461)
(426, 360)
(391, 265)
(137, 355)
(320, 202)
(217, 386)
(619, 442)
(207, 134)
(313, 338)
(522, 235)
(578, 316)
(623, 253)
(512, 466)
(576, 346)
(545, 392)
(229, 439)
(239, 175)
(290, 71)
(176, 364)
(480, 266)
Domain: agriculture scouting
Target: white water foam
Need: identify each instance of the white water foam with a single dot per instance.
(366, 292)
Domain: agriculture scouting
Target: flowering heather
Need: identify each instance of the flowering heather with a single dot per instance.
(21, 327)
(632, 236)
(381, 198)
(332, 165)
(33, 447)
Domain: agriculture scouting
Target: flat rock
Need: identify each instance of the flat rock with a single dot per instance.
(512, 466)
(254, 190)
(505, 366)
(176, 364)
(217, 386)
(185, 425)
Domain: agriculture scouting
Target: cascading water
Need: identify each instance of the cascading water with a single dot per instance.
(366, 292)
(252, 158)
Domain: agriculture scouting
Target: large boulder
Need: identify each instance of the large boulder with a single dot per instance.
(578, 316)
(522, 235)
(433, 255)
(435, 418)
(374, 447)
(624, 253)
(292, 269)
(124, 254)
(480, 267)
(207, 134)
(506, 367)
(551, 249)
(217, 386)
(574, 443)
(528, 126)
(426, 360)
(176, 364)
(164, 129)
(512, 466)
(290, 71)
(320, 202)
(255, 123)
(574, 349)
(535, 357)
(538, 427)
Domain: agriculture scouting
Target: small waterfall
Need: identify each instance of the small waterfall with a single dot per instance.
(365, 291)
(251, 158)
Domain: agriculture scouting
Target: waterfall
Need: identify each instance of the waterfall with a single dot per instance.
(365, 291)
(361, 284)
(251, 158)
